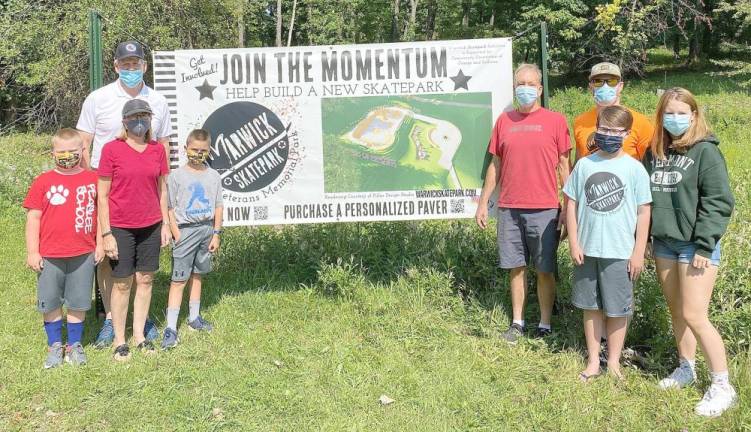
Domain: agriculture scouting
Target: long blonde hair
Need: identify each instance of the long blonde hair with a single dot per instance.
(698, 130)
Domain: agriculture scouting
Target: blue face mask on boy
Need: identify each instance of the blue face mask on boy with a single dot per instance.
(605, 94)
(608, 143)
(131, 78)
(526, 95)
(676, 124)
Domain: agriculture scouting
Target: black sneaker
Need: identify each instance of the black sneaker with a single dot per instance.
(541, 332)
(146, 347)
(514, 332)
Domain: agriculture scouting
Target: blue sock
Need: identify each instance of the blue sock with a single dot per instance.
(75, 331)
(54, 331)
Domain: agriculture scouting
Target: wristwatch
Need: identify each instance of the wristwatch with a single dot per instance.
(217, 231)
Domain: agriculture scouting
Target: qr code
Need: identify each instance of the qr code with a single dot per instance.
(260, 213)
(457, 206)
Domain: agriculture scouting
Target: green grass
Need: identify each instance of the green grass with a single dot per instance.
(314, 323)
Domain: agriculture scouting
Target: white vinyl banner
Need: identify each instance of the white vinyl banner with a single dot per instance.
(343, 133)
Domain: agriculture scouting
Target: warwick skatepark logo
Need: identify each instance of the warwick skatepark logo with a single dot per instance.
(250, 145)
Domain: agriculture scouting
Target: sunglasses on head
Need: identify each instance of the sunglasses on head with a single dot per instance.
(599, 82)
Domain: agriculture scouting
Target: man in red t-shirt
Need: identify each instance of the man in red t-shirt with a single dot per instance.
(63, 245)
(530, 148)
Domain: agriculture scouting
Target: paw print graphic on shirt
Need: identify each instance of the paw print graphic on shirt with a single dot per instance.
(57, 195)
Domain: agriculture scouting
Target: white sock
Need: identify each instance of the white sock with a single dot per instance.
(543, 326)
(520, 322)
(687, 363)
(720, 378)
(172, 318)
(194, 308)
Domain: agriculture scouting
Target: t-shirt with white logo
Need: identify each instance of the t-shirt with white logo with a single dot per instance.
(608, 193)
(102, 115)
(194, 195)
(69, 212)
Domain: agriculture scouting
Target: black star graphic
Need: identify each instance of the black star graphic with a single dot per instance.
(460, 80)
(206, 90)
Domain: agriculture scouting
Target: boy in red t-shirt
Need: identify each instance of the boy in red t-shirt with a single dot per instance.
(63, 245)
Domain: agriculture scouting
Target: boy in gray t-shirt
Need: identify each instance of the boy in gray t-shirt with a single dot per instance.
(195, 213)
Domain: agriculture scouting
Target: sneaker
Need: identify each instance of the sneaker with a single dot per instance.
(682, 376)
(106, 335)
(74, 354)
(200, 324)
(541, 332)
(54, 356)
(150, 332)
(716, 400)
(170, 339)
(122, 353)
(514, 332)
(146, 347)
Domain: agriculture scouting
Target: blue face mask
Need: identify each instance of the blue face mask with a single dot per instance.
(608, 143)
(604, 95)
(130, 78)
(138, 127)
(676, 124)
(526, 95)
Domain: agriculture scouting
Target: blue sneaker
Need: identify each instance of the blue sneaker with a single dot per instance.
(170, 339)
(150, 332)
(106, 335)
(200, 324)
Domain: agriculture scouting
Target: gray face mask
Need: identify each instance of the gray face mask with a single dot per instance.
(138, 127)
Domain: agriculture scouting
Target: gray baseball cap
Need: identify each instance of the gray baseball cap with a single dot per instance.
(136, 106)
(128, 49)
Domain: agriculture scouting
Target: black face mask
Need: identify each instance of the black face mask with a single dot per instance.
(608, 143)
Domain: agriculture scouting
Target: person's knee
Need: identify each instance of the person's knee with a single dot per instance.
(696, 320)
(545, 277)
(144, 279)
(517, 271)
(121, 285)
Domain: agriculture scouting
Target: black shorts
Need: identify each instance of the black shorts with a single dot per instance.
(137, 250)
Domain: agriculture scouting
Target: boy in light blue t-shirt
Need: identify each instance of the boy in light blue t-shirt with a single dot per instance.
(608, 222)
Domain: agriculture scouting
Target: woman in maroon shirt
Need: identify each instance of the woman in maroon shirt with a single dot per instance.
(133, 214)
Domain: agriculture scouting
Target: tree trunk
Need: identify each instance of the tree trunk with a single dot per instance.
(292, 23)
(241, 29)
(413, 17)
(430, 21)
(466, 8)
(395, 22)
(676, 46)
(278, 23)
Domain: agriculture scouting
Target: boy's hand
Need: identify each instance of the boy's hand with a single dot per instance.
(166, 235)
(635, 265)
(110, 247)
(34, 260)
(214, 244)
(576, 253)
(175, 234)
(481, 215)
(98, 254)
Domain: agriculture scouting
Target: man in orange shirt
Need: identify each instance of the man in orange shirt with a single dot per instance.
(605, 84)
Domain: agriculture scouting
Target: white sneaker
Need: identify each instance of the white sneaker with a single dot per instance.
(682, 376)
(716, 400)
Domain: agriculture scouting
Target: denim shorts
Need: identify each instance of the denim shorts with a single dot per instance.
(681, 251)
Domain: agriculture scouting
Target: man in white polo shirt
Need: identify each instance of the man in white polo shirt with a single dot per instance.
(100, 122)
(101, 115)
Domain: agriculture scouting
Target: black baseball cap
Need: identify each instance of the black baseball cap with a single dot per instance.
(129, 49)
(136, 106)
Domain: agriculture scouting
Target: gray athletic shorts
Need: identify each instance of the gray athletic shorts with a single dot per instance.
(190, 253)
(603, 284)
(66, 281)
(526, 235)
